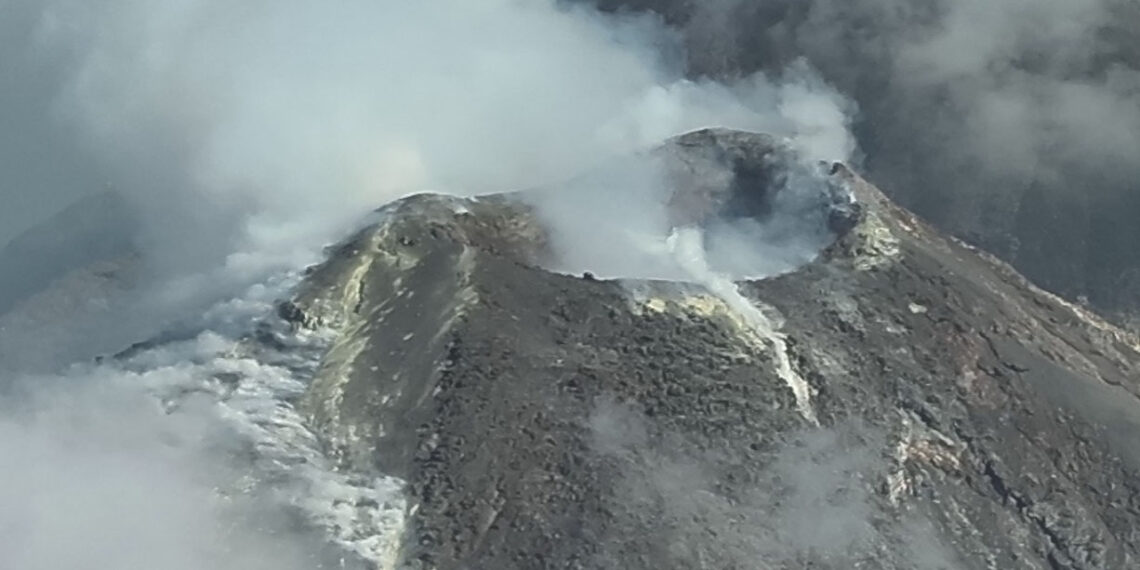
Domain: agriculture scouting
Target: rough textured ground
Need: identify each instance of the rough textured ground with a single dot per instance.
(965, 418)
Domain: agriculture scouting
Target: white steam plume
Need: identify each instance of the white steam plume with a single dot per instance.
(250, 134)
(264, 126)
(1012, 123)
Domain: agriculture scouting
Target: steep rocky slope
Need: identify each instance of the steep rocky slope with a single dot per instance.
(903, 401)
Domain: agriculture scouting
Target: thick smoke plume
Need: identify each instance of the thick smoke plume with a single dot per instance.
(246, 136)
(260, 127)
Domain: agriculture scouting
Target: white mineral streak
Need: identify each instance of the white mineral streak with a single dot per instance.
(687, 247)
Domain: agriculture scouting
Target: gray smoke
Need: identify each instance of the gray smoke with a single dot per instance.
(253, 132)
(43, 167)
(96, 475)
(1012, 123)
(247, 136)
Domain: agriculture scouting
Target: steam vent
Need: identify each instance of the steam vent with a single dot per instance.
(893, 400)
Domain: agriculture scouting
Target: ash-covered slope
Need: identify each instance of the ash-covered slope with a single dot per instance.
(902, 401)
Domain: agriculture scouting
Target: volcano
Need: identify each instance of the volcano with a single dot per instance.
(900, 400)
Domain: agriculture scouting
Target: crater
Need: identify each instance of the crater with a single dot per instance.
(757, 207)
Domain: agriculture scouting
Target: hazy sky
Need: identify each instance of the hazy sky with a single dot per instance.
(261, 127)
(43, 167)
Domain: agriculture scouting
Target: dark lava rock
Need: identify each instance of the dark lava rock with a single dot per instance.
(921, 405)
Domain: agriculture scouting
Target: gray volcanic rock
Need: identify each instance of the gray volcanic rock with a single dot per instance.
(904, 401)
